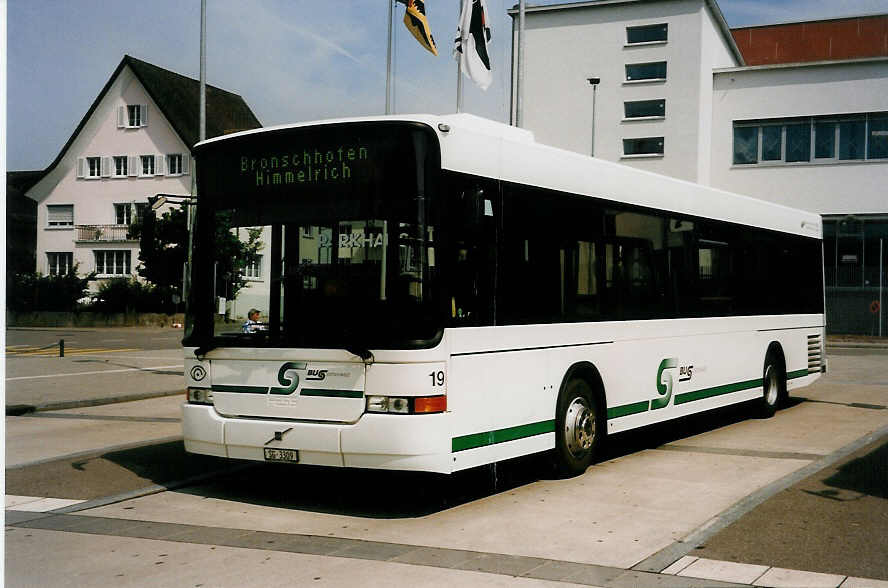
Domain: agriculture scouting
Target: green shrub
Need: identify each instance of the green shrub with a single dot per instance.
(31, 292)
(130, 295)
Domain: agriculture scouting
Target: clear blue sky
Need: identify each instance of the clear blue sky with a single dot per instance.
(290, 59)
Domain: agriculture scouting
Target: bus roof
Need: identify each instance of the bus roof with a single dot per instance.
(483, 147)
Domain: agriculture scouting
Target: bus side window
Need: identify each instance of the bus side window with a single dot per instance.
(471, 250)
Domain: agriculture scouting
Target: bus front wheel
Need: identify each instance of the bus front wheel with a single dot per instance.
(579, 427)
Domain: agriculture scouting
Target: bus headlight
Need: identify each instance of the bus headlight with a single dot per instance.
(200, 396)
(407, 405)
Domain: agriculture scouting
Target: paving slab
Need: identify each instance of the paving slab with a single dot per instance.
(783, 578)
(724, 571)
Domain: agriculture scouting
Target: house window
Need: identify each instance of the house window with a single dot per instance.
(647, 34)
(852, 139)
(877, 137)
(94, 167)
(134, 115)
(59, 263)
(253, 270)
(147, 165)
(174, 164)
(654, 71)
(643, 146)
(822, 139)
(120, 166)
(798, 142)
(772, 143)
(745, 144)
(60, 215)
(645, 108)
(124, 213)
(112, 263)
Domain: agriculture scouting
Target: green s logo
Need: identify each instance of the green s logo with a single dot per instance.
(288, 383)
(664, 388)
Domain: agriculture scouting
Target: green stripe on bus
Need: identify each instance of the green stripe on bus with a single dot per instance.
(716, 391)
(627, 409)
(240, 389)
(501, 435)
(797, 374)
(332, 393)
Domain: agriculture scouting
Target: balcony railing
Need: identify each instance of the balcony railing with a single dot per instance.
(103, 233)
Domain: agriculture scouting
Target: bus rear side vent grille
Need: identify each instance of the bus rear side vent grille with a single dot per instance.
(815, 354)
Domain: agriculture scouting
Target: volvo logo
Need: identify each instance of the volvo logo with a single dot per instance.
(198, 373)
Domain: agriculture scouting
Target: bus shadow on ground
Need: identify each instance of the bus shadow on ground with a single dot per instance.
(379, 494)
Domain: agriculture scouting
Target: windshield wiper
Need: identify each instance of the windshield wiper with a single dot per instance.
(365, 354)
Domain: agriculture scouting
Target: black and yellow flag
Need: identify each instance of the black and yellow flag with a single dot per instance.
(416, 22)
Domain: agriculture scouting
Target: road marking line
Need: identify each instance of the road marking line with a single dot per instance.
(145, 369)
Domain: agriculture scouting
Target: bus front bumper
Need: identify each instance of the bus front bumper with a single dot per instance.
(379, 441)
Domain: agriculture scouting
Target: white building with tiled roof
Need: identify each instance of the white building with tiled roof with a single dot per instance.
(134, 142)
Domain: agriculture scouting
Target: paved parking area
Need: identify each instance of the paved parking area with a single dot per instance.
(633, 520)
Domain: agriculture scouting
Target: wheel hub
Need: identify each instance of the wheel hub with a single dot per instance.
(579, 427)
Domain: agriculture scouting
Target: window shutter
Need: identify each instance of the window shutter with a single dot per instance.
(106, 167)
(144, 109)
(159, 164)
(80, 163)
(186, 163)
(60, 213)
(121, 117)
(133, 165)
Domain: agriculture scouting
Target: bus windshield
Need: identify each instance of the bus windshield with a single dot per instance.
(340, 227)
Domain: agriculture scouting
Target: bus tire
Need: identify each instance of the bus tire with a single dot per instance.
(773, 385)
(580, 427)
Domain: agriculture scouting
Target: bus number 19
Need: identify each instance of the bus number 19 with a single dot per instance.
(437, 378)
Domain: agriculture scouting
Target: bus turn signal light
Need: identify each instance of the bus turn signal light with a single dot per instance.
(428, 404)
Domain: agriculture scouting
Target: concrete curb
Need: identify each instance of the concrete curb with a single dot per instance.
(22, 409)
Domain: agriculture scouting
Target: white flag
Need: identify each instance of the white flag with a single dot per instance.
(473, 35)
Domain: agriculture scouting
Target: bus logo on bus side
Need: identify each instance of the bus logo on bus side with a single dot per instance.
(666, 383)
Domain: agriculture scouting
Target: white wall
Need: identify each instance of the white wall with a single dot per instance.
(94, 199)
(565, 47)
(762, 93)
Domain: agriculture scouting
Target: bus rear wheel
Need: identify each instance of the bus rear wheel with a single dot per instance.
(579, 427)
(773, 386)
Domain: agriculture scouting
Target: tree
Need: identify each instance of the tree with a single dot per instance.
(164, 250)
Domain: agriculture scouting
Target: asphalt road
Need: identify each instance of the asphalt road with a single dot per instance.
(667, 494)
(93, 338)
(99, 366)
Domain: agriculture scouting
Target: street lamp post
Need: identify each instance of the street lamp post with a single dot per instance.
(594, 83)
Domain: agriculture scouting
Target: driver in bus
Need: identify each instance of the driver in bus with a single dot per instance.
(250, 325)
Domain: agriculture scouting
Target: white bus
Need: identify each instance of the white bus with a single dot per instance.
(445, 293)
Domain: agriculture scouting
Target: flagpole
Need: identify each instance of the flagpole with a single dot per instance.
(388, 62)
(519, 110)
(459, 93)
